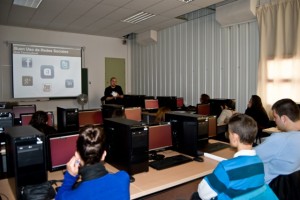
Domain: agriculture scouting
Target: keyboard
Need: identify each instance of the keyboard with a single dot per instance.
(212, 147)
(169, 162)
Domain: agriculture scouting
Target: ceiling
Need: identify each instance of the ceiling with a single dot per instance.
(98, 17)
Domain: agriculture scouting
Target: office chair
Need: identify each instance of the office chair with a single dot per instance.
(286, 186)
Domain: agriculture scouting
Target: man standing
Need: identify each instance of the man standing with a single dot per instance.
(280, 152)
(113, 93)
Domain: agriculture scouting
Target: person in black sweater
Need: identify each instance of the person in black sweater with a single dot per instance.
(113, 93)
(39, 121)
(256, 110)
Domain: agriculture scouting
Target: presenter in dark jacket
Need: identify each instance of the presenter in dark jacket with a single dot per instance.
(113, 93)
(96, 182)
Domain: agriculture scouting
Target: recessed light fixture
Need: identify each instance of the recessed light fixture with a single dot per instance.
(28, 3)
(141, 16)
(186, 1)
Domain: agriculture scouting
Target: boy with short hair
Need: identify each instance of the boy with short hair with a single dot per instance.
(241, 174)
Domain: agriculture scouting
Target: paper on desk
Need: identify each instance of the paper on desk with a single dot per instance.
(214, 157)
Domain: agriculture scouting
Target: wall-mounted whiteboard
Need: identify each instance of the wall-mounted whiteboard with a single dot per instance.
(46, 71)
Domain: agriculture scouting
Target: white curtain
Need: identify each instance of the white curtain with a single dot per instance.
(279, 67)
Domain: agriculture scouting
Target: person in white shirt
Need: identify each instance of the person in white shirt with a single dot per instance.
(228, 109)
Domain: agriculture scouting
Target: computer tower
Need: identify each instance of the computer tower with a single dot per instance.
(67, 119)
(6, 118)
(189, 132)
(26, 160)
(127, 145)
(3, 165)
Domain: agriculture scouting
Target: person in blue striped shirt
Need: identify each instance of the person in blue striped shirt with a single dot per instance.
(241, 174)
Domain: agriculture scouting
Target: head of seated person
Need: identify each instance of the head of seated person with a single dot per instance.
(39, 121)
(204, 99)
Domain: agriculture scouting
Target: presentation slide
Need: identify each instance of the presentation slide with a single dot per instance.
(46, 71)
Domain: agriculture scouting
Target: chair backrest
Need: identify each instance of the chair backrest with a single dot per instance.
(261, 193)
(286, 186)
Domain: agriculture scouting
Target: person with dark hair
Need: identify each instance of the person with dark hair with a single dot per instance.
(204, 99)
(39, 121)
(228, 109)
(280, 151)
(241, 174)
(96, 182)
(113, 93)
(256, 110)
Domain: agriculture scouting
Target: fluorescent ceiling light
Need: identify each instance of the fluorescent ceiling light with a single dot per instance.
(186, 1)
(141, 16)
(28, 3)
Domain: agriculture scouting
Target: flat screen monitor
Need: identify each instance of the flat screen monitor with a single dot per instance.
(26, 117)
(180, 102)
(60, 148)
(90, 117)
(203, 109)
(20, 109)
(133, 100)
(160, 137)
(167, 101)
(151, 104)
(134, 113)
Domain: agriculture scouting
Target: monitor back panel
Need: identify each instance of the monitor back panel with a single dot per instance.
(160, 137)
(151, 104)
(90, 117)
(203, 109)
(61, 150)
(134, 113)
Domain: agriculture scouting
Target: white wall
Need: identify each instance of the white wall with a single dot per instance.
(96, 49)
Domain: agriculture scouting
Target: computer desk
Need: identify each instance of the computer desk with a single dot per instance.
(153, 181)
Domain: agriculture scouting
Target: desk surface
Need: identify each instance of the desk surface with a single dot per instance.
(154, 180)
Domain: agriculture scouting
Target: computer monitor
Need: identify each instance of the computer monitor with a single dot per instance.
(134, 113)
(131, 100)
(26, 118)
(203, 109)
(19, 109)
(151, 104)
(167, 101)
(90, 117)
(215, 105)
(160, 137)
(180, 102)
(60, 149)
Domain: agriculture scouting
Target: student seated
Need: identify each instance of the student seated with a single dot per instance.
(228, 109)
(39, 121)
(241, 174)
(96, 182)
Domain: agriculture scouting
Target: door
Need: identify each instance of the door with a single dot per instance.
(115, 67)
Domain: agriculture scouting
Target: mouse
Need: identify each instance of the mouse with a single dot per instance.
(198, 159)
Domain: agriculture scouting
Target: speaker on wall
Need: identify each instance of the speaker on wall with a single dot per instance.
(148, 37)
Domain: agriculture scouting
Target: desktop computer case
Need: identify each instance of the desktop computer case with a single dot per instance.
(127, 145)
(189, 132)
(26, 163)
